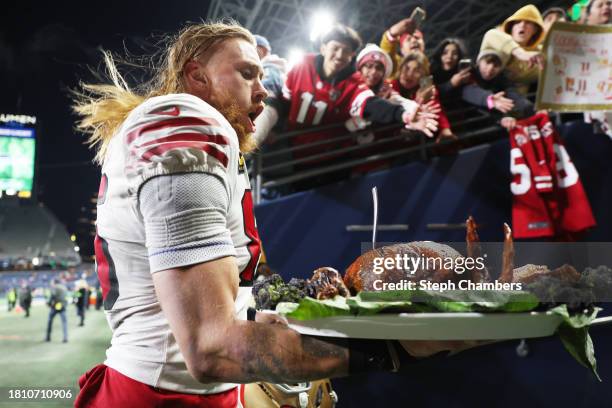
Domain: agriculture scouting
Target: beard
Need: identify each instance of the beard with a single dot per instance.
(227, 106)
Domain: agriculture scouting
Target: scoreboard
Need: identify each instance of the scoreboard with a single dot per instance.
(17, 154)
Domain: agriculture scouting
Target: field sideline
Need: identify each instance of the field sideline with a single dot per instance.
(26, 361)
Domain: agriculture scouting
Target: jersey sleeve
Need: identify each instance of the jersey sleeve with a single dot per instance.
(185, 218)
(178, 134)
(289, 84)
(361, 94)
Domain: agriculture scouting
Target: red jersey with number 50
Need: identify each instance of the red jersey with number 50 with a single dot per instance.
(549, 199)
(315, 102)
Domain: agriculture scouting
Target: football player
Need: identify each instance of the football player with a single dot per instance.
(177, 243)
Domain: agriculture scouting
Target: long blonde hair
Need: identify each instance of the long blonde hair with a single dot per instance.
(104, 107)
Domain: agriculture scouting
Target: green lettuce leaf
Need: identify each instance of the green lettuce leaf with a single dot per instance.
(369, 303)
(360, 306)
(309, 308)
(457, 300)
(574, 334)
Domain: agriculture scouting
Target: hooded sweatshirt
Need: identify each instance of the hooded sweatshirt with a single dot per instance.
(500, 39)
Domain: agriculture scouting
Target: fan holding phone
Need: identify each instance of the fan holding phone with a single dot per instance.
(416, 83)
(403, 37)
(451, 70)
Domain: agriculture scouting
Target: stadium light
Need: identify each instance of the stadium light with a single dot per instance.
(73, 237)
(76, 248)
(296, 55)
(320, 23)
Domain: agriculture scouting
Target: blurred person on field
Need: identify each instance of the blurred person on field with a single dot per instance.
(25, 298)
(413, 68)
(400, 39)
(98, 297)
(57, 305)
(518, 42)
(447, 76)
(489, 87)
(81, 299)
(11, 298)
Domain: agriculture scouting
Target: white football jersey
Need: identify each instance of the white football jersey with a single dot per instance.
(172, 134)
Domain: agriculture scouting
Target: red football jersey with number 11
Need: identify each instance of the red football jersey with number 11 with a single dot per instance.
(315, 102)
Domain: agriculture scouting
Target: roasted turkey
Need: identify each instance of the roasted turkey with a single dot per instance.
(360, 275)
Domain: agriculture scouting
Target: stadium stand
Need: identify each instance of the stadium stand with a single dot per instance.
(31, 236)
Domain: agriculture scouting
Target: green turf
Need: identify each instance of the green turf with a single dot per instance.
(26, 361)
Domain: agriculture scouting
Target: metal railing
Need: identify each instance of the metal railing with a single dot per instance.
(275, 165)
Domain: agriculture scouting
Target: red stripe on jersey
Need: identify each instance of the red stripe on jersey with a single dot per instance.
(107, 274)
(254, 246)
(101, 266)
(170, 123)
(189, 137)
(210, 149)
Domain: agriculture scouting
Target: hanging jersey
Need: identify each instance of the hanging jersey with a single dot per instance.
(548, 196)
(172, 134)
(315, 102)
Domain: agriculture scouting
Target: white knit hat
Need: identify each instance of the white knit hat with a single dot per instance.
(373, 52)
(490, 51)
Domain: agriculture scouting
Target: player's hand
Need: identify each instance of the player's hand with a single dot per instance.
(403, 26)
(422, 121)
(501, 103)
(461, 77)
(508, 123)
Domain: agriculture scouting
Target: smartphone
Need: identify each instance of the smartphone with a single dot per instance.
(418, 16)
(465, 63)
(426, 82)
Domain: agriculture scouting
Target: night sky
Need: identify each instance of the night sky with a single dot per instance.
(45, 49)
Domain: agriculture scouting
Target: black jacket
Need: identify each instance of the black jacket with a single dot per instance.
(478, 91)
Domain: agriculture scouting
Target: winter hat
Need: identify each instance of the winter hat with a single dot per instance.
(528, 13)
(262, 42)
(373, 52)
(490, 51)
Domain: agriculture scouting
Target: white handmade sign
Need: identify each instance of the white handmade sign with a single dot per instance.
(578, 72)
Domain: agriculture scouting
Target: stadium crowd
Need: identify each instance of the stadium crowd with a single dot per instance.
(402, 80)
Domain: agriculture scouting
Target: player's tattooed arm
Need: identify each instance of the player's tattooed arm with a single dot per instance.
(279, 354)
(198, 302)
